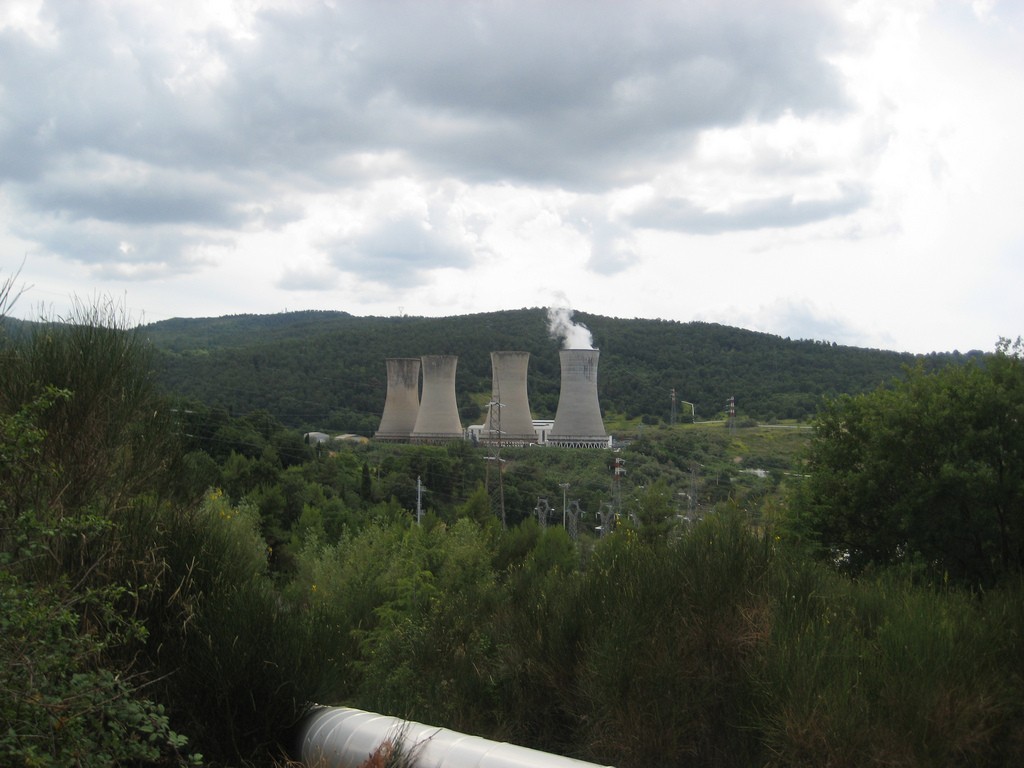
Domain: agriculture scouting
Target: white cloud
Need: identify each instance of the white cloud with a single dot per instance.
(844, 169)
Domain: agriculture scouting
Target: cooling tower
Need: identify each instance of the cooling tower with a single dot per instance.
(511, 421)
(438, 417)
(402, 403)
(578, 421)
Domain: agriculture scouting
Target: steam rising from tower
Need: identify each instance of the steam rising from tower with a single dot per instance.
(573, 335)
(433, 417)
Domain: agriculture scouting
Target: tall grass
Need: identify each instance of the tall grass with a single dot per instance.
(240, 664)
(885, 672)
(107, 440)
(672, 629)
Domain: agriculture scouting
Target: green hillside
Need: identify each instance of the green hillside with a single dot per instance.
(326, 370)
(177, 586)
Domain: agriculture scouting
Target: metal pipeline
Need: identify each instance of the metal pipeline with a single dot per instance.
(340, 737)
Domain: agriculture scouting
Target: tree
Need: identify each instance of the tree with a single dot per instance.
(70, 692)
(123, 610)
(112, 435)
(929, 470)
(653, 511)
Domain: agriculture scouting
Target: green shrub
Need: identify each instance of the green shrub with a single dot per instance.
(107, 440)
(69, 692)
(672, 629)
(61, 701)
(885, 672)
(242, 664)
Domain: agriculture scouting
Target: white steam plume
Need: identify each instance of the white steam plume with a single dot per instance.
(573, 335)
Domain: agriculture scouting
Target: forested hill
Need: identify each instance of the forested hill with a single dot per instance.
(326, 370)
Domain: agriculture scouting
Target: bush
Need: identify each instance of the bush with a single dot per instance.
(241, 665)
(884, 672)
(69, 692)
(61, 700)
(108, 438)
(672, 629)
(112, 588)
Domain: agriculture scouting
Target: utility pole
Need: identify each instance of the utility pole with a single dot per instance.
(497, 504)
(419, 500)
(693, 507)
(607, 516)
(672, 414)
(564, 487)
(619, 473)
(575, 513)
(501, 468)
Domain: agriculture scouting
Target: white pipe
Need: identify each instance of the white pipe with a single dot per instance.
(340, 737)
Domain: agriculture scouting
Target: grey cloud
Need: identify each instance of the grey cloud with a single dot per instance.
(610, 255)
(94, 90)
(806, 322)
(302, 278)
(694, 62)
(783, 211)
(612, 246)
(398, 252)
(277, 215)
(134, 203)
(568, 93)
(118, 252)
(581, 95)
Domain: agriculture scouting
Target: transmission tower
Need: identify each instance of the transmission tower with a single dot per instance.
(575, 513)
(607, 518)
(619, 473)
(542, 510)
(496, 490)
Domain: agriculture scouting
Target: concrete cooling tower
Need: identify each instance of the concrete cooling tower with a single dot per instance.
(578, 422)
(510, 422)
(402, 404)
(438, 418)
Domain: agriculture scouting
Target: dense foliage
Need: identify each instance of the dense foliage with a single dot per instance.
(75, 404)
(123, 594)
(179, 583)
(325, 370)
(929, 471)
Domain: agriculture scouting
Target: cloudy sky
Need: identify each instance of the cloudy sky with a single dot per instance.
(851, 171)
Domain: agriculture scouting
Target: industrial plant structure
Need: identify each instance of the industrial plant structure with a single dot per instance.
(578, 422)
(402, 404)
(438, 418)
(508, 413)
(434, 417)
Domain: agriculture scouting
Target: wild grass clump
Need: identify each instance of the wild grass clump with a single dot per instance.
(882, 671)
(671, 633)
(241, 665)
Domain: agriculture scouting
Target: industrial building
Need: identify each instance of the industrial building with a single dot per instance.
(578, 422)
(508, 413)
(402, 404)
(433, 417)
(437, 420)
